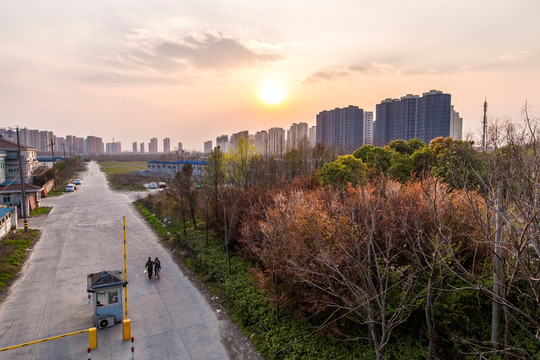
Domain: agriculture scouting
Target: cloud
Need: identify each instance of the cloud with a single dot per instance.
(207, 51)
(115, 79)
(376, 68)
(164, 58)
(326, 75)
(335, 74)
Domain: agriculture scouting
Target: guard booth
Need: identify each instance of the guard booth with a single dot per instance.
(106, 289)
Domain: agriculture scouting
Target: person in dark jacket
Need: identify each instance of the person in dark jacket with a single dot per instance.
(149, 266)
(157, 267)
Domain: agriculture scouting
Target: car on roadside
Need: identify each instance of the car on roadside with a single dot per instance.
(70, 187)
(77, 182)
(152, 185)
(162, 185)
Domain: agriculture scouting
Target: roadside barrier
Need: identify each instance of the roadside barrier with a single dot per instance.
(92, 339)
(132, 347)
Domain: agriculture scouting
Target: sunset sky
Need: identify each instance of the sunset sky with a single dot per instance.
(191, 70)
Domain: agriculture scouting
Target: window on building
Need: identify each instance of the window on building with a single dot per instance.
(6, 199)
(112, 296)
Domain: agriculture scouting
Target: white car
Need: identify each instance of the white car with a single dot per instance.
(70, 188)
(152, 185)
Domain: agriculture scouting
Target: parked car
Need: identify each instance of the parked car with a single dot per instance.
(70, 187)
(152, 185)
(162, 185)
(77, 182)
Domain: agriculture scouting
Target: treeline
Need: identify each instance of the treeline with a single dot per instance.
(433, 247)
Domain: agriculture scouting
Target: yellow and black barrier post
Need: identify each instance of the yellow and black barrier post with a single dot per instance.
(92, 339)
(126, 323)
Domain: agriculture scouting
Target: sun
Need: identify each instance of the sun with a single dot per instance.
(272, 93)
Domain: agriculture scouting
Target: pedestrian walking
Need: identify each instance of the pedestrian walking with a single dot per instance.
(157, 267)
(149, 266)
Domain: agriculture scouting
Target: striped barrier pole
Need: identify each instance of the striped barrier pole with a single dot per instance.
(89, 355)
(132, 347)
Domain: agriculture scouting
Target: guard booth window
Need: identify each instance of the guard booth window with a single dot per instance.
(108, 297)
(112, 296)
(101, 298)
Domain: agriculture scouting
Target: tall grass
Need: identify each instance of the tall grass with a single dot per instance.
(13, 252)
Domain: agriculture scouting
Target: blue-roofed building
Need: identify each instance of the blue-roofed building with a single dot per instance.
(169, 168)
(8, 220)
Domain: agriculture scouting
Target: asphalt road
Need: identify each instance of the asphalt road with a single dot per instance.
(170, 318)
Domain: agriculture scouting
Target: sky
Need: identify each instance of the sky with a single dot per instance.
(130, 70)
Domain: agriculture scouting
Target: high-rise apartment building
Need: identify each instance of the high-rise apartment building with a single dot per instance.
(425, 118)
(223, 143)
(94, 145)
(276, 141)
(222, 139)
(142, 148)
(152, 146)
(434, 110)
(75, 145)
(134, 147)
(113, 148)
(368, 127)
(296, 134)
(261, 142)
(180, 147)
(456, 125)
(341, 129)
(45, 139)
(239, 135)
(312, 135)
(166, 145)
(208, 147)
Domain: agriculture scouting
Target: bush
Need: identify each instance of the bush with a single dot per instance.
(276, 336)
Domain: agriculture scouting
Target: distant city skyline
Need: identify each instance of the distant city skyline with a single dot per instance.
(191, 71)
(343, 129)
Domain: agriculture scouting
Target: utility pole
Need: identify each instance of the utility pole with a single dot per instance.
(484, 126)
(53, 163)
(64, 147)
(23, 188)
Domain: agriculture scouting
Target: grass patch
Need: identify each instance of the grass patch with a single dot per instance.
(13, 252)
(120, 175)
(40, 211)
(122, 167)
(55, 192)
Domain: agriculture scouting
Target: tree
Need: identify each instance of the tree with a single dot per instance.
(378, 160)
(337, 256)
(214, 178)
(400, 146)
(401, 167)
(320, 155)
(239, 161)
(184, 195)
(416, 144)
(346, 170)
(293, 163)
(457, 162)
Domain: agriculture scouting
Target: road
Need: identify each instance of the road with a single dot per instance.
(170, 318)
